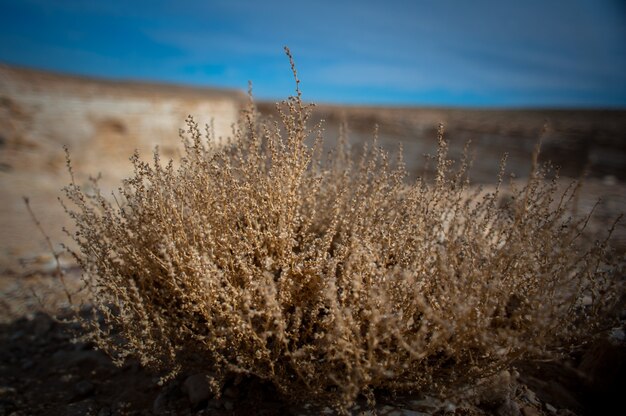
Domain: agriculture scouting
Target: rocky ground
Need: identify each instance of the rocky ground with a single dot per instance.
(42, 372)
(45, 371)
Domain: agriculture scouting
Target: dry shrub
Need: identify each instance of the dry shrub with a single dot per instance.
(326, 277)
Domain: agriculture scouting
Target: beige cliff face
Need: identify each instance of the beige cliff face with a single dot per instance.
(102, 123)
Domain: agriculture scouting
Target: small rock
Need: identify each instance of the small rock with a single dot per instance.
(197, 388)
(86, 407)
(388, 410)
(508, 408)
(27, 364)
(105, 411)
(531, 397)
(83, 346)
(408, 412)
(160, 406)
(561, 396)
(604, 365)
(496, 391)
(42, 324)
(617, 335)
(609, 180)
(83, 389)
(131, 366)
(550, 408)
(16, 336)
(121, 408)
(7, 390)
(214, 404)
(504, 377)
(428, 404)
(229, 405)
(230, 392)
(66, 378)
(87, 359)
(530, 411)
(7, 406)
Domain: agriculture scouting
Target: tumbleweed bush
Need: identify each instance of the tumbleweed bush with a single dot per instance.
(327, 276)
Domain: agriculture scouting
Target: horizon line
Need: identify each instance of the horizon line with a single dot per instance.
(228, 90)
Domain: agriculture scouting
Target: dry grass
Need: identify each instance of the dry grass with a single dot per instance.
(331, 278)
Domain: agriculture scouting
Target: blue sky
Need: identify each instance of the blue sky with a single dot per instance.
(512, 53)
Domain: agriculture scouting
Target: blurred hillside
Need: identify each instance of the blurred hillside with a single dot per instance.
(577, 141)
(103, 122)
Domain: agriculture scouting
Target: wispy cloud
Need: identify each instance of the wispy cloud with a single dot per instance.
(477, 52)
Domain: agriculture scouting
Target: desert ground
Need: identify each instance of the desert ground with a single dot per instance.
(102, 122)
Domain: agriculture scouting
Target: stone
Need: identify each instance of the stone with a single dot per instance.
(550, 408)
(215, 404)
(88, 359)
(42, 324)
(617, 335)
(105, 411)
(561, 396)
(229, 405)
(83, 408)
(83, 389)
(66, 378)
(7, 390)
(197, 388)
(389, 410)
(530, 411)
(530, 397)
(609, 180)
(17, 335)
(27, 364)
(408, 412)
(7, 406)
(427, 404)
(160, 406)
(230, 392)
(508, 408)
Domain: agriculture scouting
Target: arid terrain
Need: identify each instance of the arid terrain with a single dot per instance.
(103, 122)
